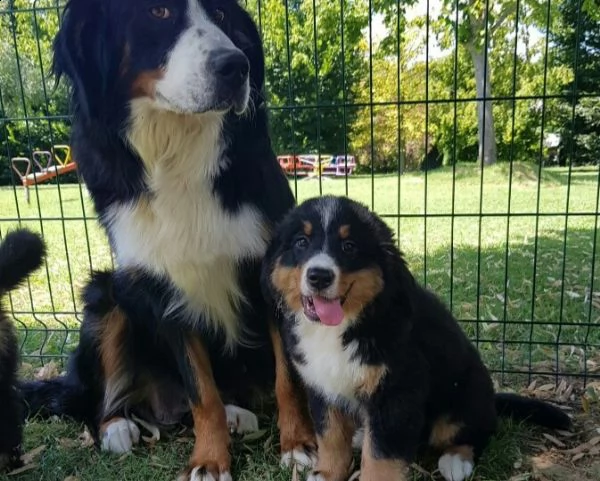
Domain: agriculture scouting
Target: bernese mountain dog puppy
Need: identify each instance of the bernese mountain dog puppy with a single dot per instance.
(378, 352)
(170, 135)
(21, 252)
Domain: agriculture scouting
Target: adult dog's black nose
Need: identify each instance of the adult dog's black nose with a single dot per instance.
(231, 68)
(320, 278)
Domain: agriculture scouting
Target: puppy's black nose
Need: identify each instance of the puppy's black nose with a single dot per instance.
(320, 278)
(231, 67)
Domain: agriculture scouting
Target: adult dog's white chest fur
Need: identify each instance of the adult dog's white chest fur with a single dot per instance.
(180, 228)
(328, 366)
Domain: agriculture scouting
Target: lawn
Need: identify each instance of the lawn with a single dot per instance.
(522, 284)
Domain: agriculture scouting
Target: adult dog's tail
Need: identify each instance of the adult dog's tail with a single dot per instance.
(531, 410)
(21, 253)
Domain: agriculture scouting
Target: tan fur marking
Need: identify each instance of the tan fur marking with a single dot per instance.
(372, 378)
(308, 228)
(464, 451)
(295, 427)
(145, 83)
(344, 231)
(366, 285)
(443, 433)
(111, 340)
(335, 447)
(373, 469)
(112, 332)
(212, 440)
(287, 281)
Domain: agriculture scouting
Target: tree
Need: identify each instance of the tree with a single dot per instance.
(577, 39)
(26, 87)
(309, 75)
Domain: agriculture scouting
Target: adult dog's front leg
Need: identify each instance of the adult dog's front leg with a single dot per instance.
(296, 432)
(210, 459)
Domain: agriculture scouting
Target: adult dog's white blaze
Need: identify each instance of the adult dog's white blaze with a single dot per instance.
(188, 84)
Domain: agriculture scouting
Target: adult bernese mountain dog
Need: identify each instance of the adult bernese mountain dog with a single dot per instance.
(21, 253)
(170, 134)
(377, 351)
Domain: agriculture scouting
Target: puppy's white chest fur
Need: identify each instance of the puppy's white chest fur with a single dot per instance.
(180, 229)
(328, 366)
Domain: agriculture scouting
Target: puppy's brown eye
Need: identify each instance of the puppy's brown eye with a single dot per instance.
(348, 247)
(301, 243)
(161, 13)
(219, 15)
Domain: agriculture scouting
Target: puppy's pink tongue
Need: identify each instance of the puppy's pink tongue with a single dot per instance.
(330, 312)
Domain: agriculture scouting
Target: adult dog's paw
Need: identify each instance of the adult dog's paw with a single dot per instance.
(240, 420)
(119, 435)
(202, 473)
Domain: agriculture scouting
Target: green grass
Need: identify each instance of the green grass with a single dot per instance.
(472, 249)
(253, 460)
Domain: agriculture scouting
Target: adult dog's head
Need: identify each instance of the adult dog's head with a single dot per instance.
(331, 259)
(182, 56)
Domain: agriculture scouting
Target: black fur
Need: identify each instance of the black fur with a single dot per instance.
(21, 252)
(433, 371)
(89, 51)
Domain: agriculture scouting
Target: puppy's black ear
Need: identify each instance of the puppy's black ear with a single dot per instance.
(83, 52)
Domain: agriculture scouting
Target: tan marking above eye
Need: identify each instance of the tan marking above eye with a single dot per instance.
(160, 12)
(344, 231)
(307, 228)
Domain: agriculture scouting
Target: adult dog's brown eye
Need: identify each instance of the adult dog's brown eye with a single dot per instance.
(348, 247)
(160, 12)
(301, 243)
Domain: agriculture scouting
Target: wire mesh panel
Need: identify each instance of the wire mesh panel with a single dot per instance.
(472, 127)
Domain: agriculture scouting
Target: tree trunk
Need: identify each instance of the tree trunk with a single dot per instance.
(485, 118)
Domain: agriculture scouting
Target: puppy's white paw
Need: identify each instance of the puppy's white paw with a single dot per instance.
(200, 474)
(315, 477)
(240, 420)
(302, 459)
(454, 468)
(120, 436)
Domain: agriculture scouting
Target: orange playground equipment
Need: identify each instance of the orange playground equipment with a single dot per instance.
(46, 165)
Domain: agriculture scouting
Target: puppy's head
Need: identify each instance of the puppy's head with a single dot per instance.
(183, 56)
(330, 259)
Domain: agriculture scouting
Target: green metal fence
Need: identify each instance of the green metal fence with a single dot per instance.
(475, 125)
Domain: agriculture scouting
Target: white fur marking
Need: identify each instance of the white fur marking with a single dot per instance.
(328, 367)
(328, 209)
(240, 420)
(315, 477)
(299, 458)
(120, 436)
(358, 438)
(454, 468)
(181, 230)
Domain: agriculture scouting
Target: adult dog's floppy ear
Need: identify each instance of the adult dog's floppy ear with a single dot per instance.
(83, 54)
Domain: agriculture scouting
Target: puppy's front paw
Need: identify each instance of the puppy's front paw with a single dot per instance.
(119, 435)
(304, 457)
(453, 467)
